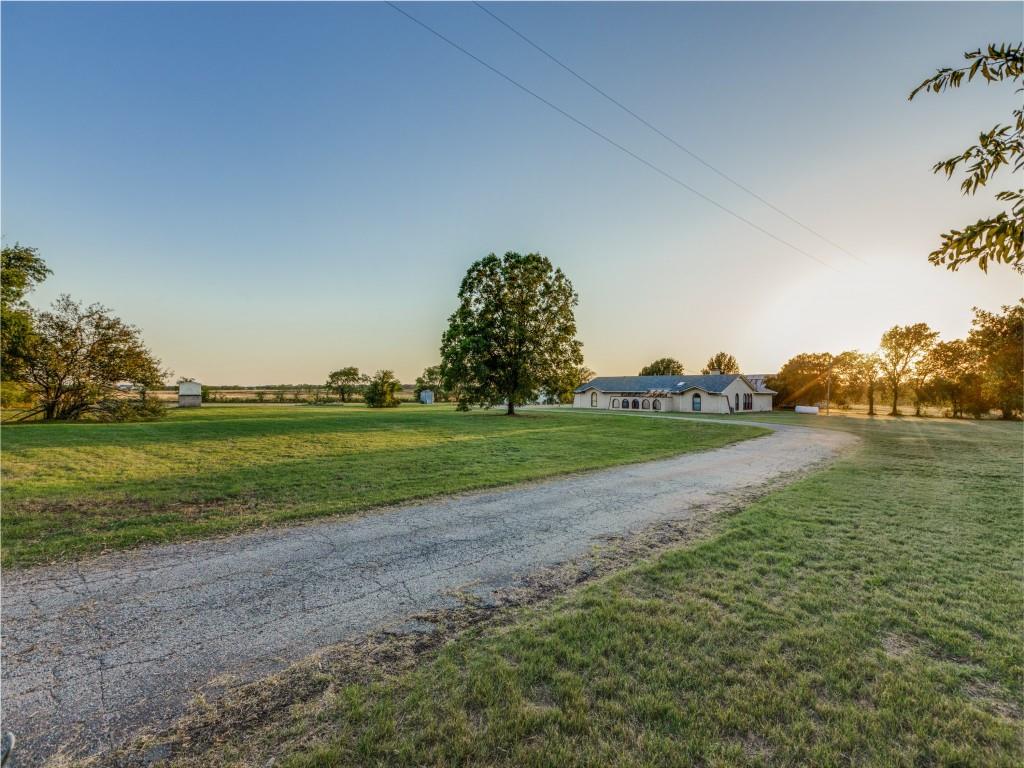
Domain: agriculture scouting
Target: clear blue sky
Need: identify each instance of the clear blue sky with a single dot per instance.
(271, 191)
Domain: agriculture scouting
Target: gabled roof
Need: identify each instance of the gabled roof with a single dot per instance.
(713, 384)
(757, 381)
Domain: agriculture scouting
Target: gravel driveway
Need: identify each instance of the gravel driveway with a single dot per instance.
(92, 651)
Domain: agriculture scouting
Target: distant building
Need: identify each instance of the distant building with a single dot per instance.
(427, 397)
(714, 393)
(190, 394)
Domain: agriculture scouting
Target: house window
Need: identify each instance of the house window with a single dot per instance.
(748, 402)
(625, 402)
(696, 401)
(646, 405)
(738, 400)
(636, 403)
(657, 405)
(615, 402)
(593, 399)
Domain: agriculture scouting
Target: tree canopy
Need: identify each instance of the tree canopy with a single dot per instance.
(997, 340)
(78, 356)
(513, 334)
(953, 376)
(722, 362)
(346, 382)
(663, 366)
(999, 238)
(802, 380)
(902, 348)
(21, 270)
(381, 390)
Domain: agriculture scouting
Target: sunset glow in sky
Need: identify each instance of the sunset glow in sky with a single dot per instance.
(272, 191)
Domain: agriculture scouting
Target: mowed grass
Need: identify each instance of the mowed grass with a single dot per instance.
(71, 489)
(869, 614)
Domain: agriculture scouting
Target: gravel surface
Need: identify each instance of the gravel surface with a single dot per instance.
(92, 651)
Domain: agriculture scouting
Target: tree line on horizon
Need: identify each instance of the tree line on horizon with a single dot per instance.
(970, 376)
(511, 341)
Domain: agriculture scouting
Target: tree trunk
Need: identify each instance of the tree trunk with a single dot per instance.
(511, 409)
(895, 401)
(871, 399)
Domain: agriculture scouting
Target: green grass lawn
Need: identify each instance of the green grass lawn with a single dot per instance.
(868, 614)
(70, 489)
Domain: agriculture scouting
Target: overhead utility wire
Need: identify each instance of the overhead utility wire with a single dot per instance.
(664, 135)
(611, 141)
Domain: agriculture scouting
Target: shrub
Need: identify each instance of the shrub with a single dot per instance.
(382, 389)
(122, 409)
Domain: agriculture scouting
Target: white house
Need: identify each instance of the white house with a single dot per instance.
(714, 393)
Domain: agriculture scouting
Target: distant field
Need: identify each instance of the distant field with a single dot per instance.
(71, 489)
(292, 394)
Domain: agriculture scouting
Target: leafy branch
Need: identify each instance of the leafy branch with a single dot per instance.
(1000, 238)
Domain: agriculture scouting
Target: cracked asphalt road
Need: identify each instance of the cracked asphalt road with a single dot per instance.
(92, 651)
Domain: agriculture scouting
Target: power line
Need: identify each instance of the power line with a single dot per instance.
(664, 135)
(609, 140)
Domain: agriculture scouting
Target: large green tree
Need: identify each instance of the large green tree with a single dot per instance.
(803, 379)
(902, 348)
(997, 340)
(663, 366)
(21, 270)
(999, 238)
(346, 382)
(722, 362)
(860, 376)
(953, 368)
(513, 334)
(78, 356)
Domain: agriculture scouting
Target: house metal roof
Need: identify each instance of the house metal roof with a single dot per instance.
(712, 384)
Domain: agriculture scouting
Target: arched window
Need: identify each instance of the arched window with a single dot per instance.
(738, 400)
(696, 401)
(646, 405)
(593, 399)
(625, 402)
(657, 405)
(615, 402)
(636, 403)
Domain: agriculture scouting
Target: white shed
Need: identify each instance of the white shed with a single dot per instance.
(190, 394)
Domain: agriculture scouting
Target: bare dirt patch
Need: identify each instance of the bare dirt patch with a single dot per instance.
(995, 699)
(896, 646)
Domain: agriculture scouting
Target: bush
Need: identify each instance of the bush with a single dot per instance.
(121, 409)
(382, 389)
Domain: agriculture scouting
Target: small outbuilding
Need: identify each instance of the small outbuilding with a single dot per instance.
(190, 394)
(427, 397)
